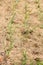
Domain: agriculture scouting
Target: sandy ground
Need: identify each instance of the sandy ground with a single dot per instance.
(26, 31)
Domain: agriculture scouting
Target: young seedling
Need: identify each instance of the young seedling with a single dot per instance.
(25, 32)
(31, 63)
(36, 1)
(10, 32)
(40, 16)
(24, 58)
(26, 17)
(38, 4)
(39, 63)
(40, 12)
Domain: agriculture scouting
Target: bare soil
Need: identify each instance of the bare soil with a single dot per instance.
(26, 31)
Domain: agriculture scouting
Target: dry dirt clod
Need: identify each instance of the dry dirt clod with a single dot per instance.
(37, 59)
(1, 58)
(36, 45)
